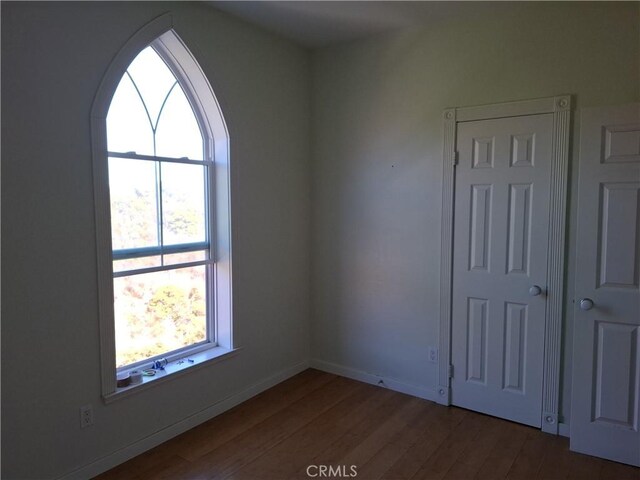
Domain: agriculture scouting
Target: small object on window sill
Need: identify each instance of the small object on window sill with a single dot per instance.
(123, 380)
(148, 372)
(160, 364)
(136, 377)
(190, 360)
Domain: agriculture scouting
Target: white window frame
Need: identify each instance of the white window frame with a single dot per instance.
(170, 47)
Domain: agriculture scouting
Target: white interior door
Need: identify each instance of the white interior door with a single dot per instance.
(606, 341)
(501, 217)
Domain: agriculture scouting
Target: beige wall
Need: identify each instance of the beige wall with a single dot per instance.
(377, 136)
(53, 58)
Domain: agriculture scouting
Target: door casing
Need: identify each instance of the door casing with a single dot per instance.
(560, 107)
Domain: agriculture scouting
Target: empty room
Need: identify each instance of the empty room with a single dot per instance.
(265, 240)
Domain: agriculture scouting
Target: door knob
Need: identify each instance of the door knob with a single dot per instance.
(586, 304)
(535, 290)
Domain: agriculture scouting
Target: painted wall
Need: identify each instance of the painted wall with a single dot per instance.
(376, 172)
(53, 58)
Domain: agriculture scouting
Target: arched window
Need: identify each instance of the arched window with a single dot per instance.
(162, 197)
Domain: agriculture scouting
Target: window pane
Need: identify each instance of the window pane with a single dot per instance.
(134, 218)
(136, 263)
(177, 133)
(186, 257)
(128, 127)
(183, 207)
(153, 79)
(156, 313)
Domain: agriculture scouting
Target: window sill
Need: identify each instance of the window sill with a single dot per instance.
(173, 370)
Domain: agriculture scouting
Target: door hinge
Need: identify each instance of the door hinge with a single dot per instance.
(450, 371)
(456, 157)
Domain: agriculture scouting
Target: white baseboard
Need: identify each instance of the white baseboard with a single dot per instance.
(373, 379)
(398, 386)
(120, 456)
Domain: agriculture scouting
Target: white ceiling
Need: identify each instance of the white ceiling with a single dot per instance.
(322, 23)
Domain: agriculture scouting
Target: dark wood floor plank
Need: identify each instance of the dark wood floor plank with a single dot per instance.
(245, 448)
(618, 471)
(504, 453)
(529, 459)
(198, 441)
(393, 431)
(557, 459)
(323, 419)
(290, 458)
(168, 468)
(331, 435)
(423, 441)
(381, 462)
(477, 452)
(369, 421)
(584, 467)
(450, 451)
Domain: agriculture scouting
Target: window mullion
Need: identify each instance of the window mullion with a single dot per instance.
(152, 158)
(163, 268)
(125, 253)
(164, 102)
(135, 85)
(159, 210)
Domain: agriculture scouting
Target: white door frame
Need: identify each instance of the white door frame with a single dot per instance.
(560, 107)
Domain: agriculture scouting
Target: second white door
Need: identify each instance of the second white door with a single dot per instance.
(500, 265)
(605, 398)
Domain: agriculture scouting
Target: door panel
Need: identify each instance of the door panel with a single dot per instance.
(619, 242)
(500, 251)
(477, 339)
(616, 352)
(480, 211)
(515, 335)
(606, 342)
(518, 233)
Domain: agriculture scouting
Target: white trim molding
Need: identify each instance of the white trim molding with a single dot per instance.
(446, 267)
(375, 379)
(560, 107)
(555, 263)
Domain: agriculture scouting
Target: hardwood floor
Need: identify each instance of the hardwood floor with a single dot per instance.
(317, 419)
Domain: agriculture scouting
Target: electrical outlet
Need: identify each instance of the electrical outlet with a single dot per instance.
(86, 416)
(433, 354)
